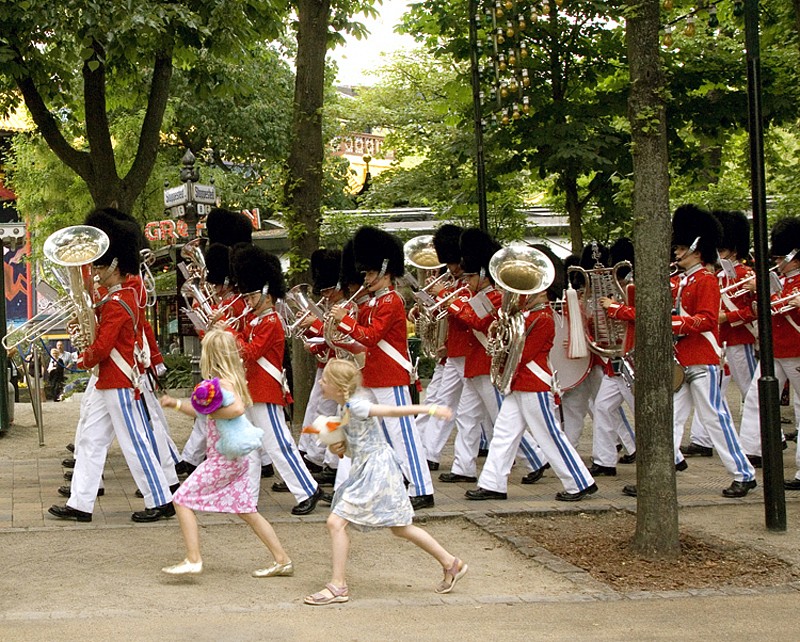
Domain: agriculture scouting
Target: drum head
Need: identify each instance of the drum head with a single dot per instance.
(570, 373)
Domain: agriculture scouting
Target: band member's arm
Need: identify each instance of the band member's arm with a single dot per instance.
(252, 348)
(706, 317)
(462, 310)
(381, 319)
(113, 317)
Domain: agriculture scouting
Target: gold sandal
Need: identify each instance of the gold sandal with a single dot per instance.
(451, 576)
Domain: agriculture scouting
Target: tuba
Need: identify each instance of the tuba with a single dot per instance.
(72, 248)
(199, 296)
(517, 270)
(431, 329)
(344, 346)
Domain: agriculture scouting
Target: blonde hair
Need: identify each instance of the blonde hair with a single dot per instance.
(344, 375)
(220, 358)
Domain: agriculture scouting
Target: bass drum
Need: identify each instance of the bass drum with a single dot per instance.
(678, 376)
(569, 373)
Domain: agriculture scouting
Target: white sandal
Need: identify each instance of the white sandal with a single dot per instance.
(451, 576)
(276, 570)
(337, 595)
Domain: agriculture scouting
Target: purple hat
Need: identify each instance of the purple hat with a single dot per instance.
(207, 396)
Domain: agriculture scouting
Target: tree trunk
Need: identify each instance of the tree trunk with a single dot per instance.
(657, 511)
(303, 188)
(574, 212)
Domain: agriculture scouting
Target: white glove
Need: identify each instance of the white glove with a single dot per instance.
(161, 369)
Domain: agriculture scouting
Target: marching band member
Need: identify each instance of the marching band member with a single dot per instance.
(737, 332)
(695, 323)
(259, 277)
(614, 389)
(325, 278)
(116, 407)
(531, 405)
(450, 383)
(479, 397)
(785, 250)
(387, 370)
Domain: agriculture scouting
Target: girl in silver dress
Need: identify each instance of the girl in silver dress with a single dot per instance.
(374, 495)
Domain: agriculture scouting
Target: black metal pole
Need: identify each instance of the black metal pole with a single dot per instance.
(480, 166)
(4, 401)
(768, 400)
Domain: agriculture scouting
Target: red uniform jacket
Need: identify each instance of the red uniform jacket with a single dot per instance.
(785, 336)
(322, 351)
(739, 311)
(458, 334)
(263, 336)
(538, 343)
(697, 320)
(624, 312)
(384, 318)
(478, 362)
(115, 329)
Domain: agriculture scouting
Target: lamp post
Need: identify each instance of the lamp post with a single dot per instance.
(480, 165)
(768, 401)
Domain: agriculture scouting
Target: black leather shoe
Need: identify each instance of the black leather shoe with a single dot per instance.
(696, 450)
(681, 466)
(71, 447)
(327, 499)
(312, 467)
(421, 501)
(267, 471)
(755, 460)
(325, 477)
(65, 491)
(154, 514)
(480, 494)
(535, 475)
(564, 496)
(65, 512)
(308, 505)
(739, 488)
(608, 471)
(433, 465)
(184, 468)
(791, 484)
(280, 487)
(483, 452)
(455, 478)
(791, 436)
(628, 459)
(69, 462)
(629, 490)
(67, 475)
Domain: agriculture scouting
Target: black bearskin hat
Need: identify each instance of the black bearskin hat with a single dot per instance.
(622, 250)
(593, 256)
(252, 268)
(445, 240)
(348, 274)
(228, 228)
(218, 263)
(371, 247)
(735, 232)
(477, 248)
(575, 278)
(556, 290)
(118, 215)
(689, 223)
(325, 269)
(785, 236)
(125, 238)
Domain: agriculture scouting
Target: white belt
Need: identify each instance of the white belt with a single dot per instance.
(395, 355)
(127, 369)
(541, 374)
(482, 338)
(273, 372)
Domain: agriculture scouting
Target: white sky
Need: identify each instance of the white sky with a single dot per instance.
(357, 56)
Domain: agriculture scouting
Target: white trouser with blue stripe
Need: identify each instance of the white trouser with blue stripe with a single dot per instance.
(702, 389)
(610, 423)
(750, 430)
(111, 413)
(401, 433)
(279, 444)
(536, 411)
(742, 364)
(160, 438)
(448, 393)
(316, 451)
(479, 398)
(578, 402)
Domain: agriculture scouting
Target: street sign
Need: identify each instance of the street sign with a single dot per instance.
(206, 194)
(178, 211)
(176, 195)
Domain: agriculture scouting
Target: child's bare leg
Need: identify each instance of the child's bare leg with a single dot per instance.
(190, 532)
(426, 542)
(340, 547)
(266, 534)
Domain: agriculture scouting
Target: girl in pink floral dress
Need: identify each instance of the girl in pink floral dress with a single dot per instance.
(221, 484)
